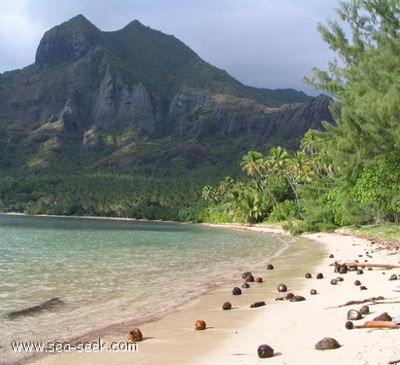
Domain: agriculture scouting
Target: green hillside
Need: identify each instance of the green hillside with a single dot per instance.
(131, 123)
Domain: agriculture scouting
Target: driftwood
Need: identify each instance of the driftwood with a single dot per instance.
(351, 302)
(378, 324)
(363, 264)
(47, 304)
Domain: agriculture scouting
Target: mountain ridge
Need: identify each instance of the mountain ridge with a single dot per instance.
(139, 102)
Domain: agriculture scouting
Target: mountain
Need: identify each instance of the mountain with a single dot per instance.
(137, 102)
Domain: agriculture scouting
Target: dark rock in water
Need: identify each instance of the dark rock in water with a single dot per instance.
(353, 315)
(349, 325)
(339, 278)
(343, 269)
(245, 285)
(259, 279)
(383, 317)
(360, 272)
(331, 256)
(327, 343)
(46, 305)
(320, 276)
(393, 277)
(265, 351)
(333, 281)
(363, 287)
(236, 291)
(282, 288)
(297, 298)
(270, 267)
(289, 296)
(357, 283)
(245, 274)
(227, 306)
(364, 309)
(308, 276)
(257, 304)
(313, 292)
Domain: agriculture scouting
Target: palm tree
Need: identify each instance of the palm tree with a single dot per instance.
(309, 141)
(298, 170)
(314, 144)
(209, 193)
(249, 206)
(253, 163)
(277, 158)
(301, 166)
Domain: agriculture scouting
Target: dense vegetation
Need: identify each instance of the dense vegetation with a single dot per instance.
(347, 174)
(99, 194)
(350, 173)
(130, 123)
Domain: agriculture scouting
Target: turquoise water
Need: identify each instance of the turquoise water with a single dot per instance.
(109, 271)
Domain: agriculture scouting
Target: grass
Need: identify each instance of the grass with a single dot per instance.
(385, 233)
(388, 233)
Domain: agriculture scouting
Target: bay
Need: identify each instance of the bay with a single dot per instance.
(110, 271)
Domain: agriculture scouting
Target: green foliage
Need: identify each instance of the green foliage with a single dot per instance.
(249, 207)
(110, 195)
(285, 211)
(316, 214)
(350, 173)
(386, 233)
(361, 150)
(269, 192)
(195, 212)
(217, 216)
(379, 186)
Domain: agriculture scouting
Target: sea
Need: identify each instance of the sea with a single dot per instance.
(106, 271)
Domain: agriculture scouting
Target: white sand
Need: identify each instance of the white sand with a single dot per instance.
(291, 329)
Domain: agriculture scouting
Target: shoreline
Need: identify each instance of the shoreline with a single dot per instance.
(292, 329)
(116, 328)
(174, 333)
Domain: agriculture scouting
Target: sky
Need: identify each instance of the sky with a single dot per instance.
(263, 43)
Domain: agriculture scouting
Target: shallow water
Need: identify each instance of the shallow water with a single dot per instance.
(109, 271)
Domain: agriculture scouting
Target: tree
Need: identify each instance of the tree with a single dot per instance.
(253, 163)
(364, 81)
(314, 144)
(256, 166)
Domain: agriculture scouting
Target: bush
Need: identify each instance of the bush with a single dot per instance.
(284, 211)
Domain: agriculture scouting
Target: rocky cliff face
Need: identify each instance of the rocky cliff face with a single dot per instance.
(66, 43)
(86, 83)
(236, 118)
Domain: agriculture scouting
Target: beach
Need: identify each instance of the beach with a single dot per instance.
(291, 328)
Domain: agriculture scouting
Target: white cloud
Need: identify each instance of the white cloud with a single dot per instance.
(19, 36)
